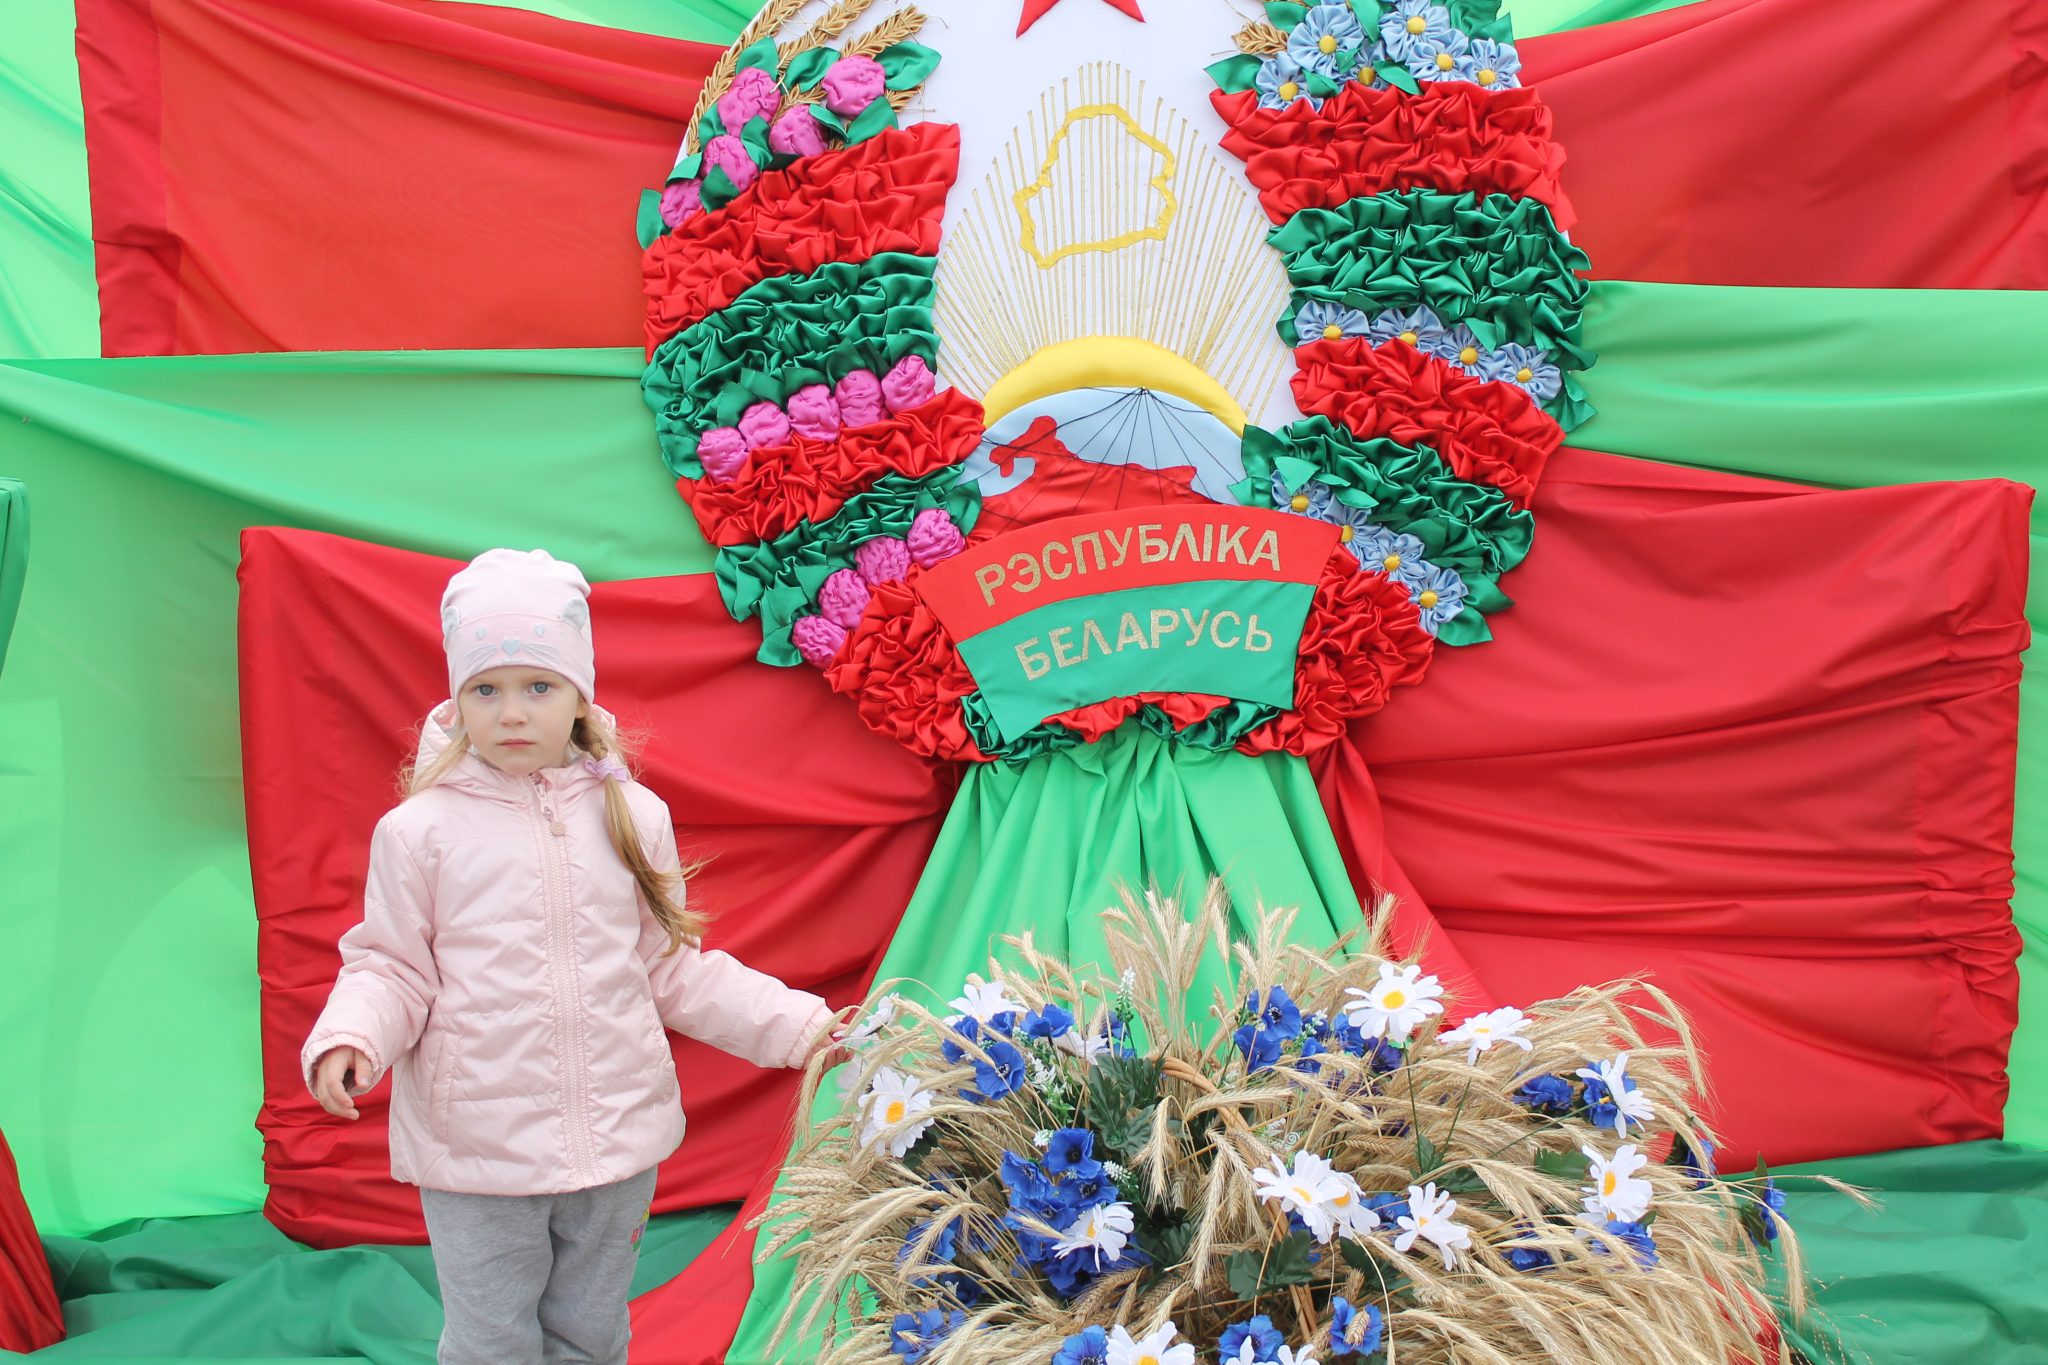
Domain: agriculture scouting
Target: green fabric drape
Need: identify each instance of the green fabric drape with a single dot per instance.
(1044, 847)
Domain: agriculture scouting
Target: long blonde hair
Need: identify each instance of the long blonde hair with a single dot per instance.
(664, 891)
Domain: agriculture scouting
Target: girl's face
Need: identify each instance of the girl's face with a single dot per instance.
(520, 719)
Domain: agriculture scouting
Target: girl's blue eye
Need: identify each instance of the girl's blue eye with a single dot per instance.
(542, 688)
(485, 689)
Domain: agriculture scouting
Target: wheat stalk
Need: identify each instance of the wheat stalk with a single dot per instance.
(1261, 39)
(901, 26)
(771, 19)
(830, 25)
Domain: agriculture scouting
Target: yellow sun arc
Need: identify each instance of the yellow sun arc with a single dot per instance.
(1110, 362)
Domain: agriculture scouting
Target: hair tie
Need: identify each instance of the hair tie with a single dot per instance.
(608, 767)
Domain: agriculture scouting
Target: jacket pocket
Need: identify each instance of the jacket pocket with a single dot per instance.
(664, 1060)
(441, 1087)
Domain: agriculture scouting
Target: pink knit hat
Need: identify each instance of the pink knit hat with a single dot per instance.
(518, 607)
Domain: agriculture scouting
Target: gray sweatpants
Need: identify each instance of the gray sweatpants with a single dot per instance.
(537, 1278)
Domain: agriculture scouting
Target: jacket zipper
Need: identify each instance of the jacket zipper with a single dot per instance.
(568, 1004)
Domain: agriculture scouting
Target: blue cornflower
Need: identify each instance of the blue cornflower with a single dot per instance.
(1526, 367)
(1281, 82)
(1002, 1074)
(913, 1335)
(1546, 1094)
(1392, 553)
(1412, 23)
(943, 1248)
(1048, 1023)
(1441, 59)
(1260, 1048)
(1390, 1207)
(1265, 1338)
(1323, 39)
(1089, 1346)
(1311, 499)
(1696, 1161)
(1072, 1150)
(1322, 320)
(1276, 1013)
(1347, 1337)
(1495, 66)
(1773, 1199)
(1636, 1235)
(965, 1029)
(1459, 346)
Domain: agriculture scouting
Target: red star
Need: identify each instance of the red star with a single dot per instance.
(1034, 10)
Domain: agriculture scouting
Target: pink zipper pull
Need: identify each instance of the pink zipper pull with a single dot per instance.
(547, 808)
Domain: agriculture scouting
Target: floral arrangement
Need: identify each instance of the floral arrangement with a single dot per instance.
(1075, 1168)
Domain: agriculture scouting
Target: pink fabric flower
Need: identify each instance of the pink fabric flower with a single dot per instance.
(843, 598)
(754, 94)
(796, 133)
(934, 537)
(819, 640)
(853, 84)
(909, 385)
(727, 153)
(813, 413)
(681, 200)
(882, 560)
(764, 424)
(722, 450)
(860, 399)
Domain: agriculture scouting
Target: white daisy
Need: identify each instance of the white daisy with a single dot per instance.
(984, 1000)
(1306, 1190)
(892, 1104)
(1397, 1003)
(1089, 1047)
(1158, 1348)
(1354, 1218)
(1103, 1229)
(1482, 1031)
(873, 1022)
(1429, 1217)
(1627, 1102)
(1617, 1193)
(1290, 1356)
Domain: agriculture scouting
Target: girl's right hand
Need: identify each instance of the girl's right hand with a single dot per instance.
(337, 1076)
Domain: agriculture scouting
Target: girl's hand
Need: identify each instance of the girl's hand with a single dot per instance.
(337, 1076)
(829, 1051)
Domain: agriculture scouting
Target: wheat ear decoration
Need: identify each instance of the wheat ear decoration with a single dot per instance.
(769, 20)
(1261, 39)
(899, 27)
(830, 25)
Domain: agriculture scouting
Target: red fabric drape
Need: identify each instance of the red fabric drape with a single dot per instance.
(1753, 740)
(356, 174)
(308, 175)
(817, 830)
(30, 1317)
(1888, 144)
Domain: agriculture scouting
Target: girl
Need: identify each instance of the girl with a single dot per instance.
(524, 944)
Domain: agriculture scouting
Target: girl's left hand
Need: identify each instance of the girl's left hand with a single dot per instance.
(829, 1051)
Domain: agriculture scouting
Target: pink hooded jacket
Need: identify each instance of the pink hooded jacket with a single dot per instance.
(513, 981)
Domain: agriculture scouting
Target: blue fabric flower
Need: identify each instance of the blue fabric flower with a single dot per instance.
(1638, 1238)
(1048, 1023)
(1410, 24)
(1391, 553)
(1421, 324)
(1314, 490)
(1527, 1258)
(1260, 1048)
(1526, 367)
(1073, 1271)
(1276, 1013)
(1773, 1199)
(1324, 37)
(965, 1289)
(1342, 1314)
(1265, 1338)
(1355, 526)
(1441, 59)
(1390, 1207)
(1072, 1150)
(913, 1335)
(1083, 1190)
(1314, 319)
(1281, 82)
(964, 1029)
(1378, 1052)
(1493, 66)
(1546, 1094)
(1089, 1346)
(1031, 1190)
(1002, 1074)
(944, 1247)
(1455, 344)
(1311, 1048)
(1439, 594)
(1317, 1026)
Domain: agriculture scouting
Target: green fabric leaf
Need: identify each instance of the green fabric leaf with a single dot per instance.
(710, 125)
(1571, 1166)
(808, 68)
(1284, 16)
(755, 138)
(1399, 76)
(719, 189)
(908, 65)
(1483, 595)
(827, 119)
(762, 56)
(687, 168)
(648, 224)
(875, 118)
(1323, 87)
(1466, 628)
(1235, 74)
(1368, 13)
